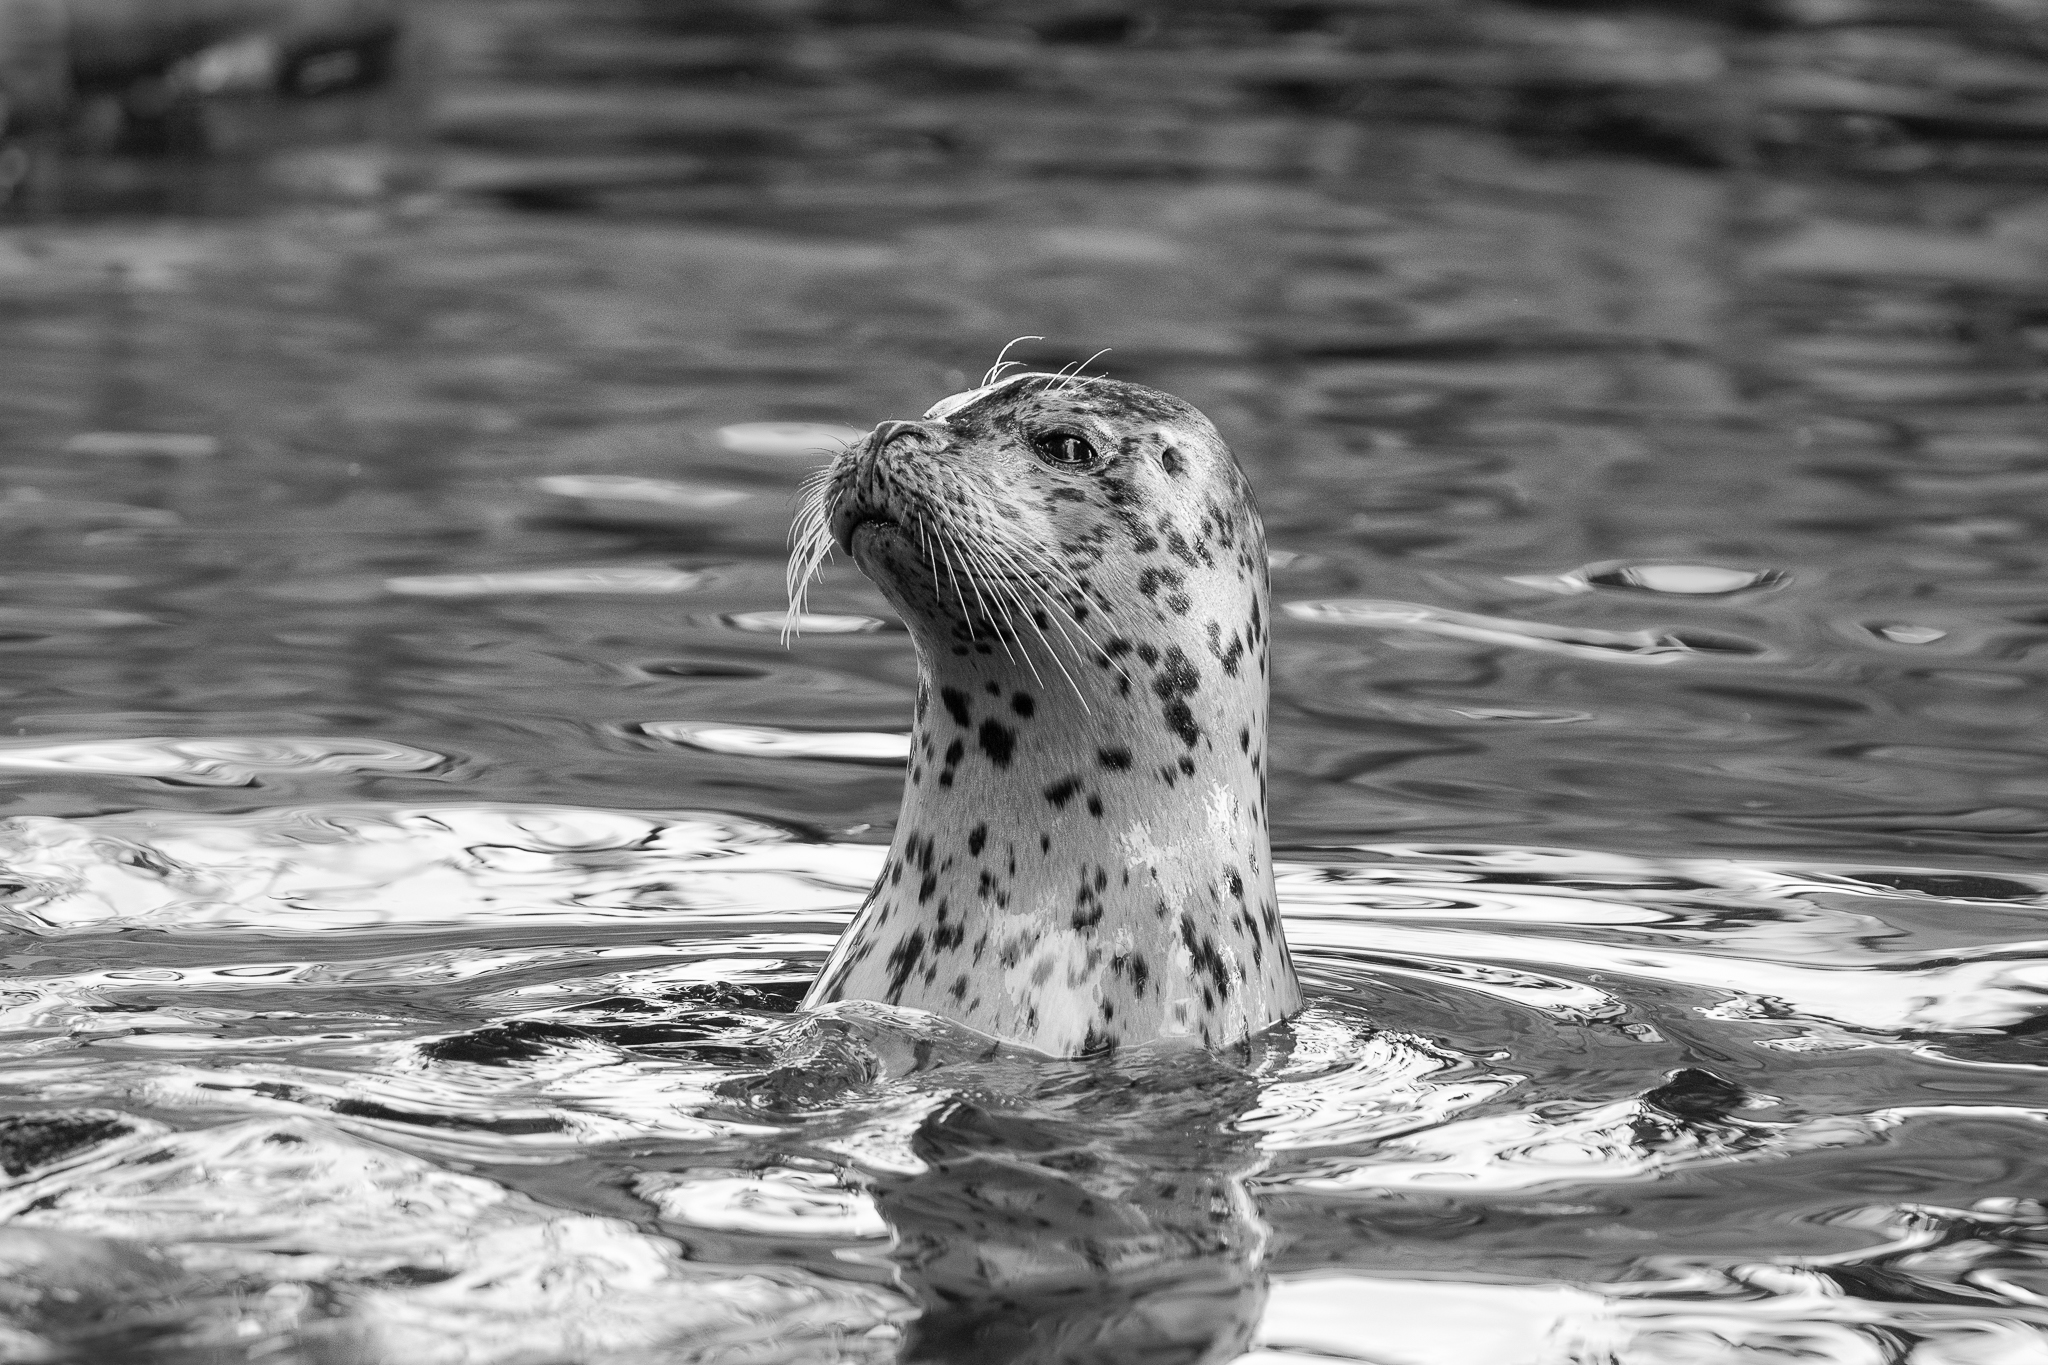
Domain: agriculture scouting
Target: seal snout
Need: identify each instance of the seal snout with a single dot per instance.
(885, 432)
(868, 499)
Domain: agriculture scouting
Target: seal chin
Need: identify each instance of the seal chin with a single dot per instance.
(864, 530)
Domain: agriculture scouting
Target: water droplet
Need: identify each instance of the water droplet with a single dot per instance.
(621, 579)
(761, 741)
(810, 440)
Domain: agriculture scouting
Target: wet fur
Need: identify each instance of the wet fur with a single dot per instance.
(1082, 859)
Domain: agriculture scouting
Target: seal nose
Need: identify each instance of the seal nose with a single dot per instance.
(886, 432)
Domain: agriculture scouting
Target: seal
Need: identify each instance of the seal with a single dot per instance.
(1082, 860)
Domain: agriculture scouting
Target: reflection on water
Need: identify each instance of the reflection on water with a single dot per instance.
(422, 812)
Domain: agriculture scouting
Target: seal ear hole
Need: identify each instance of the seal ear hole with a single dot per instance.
(1065, 449)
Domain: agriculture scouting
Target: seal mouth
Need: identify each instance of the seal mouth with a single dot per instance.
(865, 523)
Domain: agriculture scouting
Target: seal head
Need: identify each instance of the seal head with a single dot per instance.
(1082, 859)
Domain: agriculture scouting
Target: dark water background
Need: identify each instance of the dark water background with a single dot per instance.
(411, 870)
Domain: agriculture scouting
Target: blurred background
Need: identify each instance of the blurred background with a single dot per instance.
(1645, 398)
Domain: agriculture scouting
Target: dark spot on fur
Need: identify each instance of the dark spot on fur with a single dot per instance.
(1116, 760)
(998, 742)
(1062, 791)
(1178, 679)
(904, 960)
(1152, 580)
(956, 705)
(1023, 704)
(977, 839)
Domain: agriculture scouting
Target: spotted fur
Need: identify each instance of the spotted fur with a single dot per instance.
(1082, 859)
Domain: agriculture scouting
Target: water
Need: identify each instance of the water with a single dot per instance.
(417, 834)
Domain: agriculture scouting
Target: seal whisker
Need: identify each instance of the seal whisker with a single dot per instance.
(966, 616)
(1010, 583)
(1005, 628)
(1016, 586)
(1018, 583)
(1006, 597)
(1070, 378)
(810, 546)
(1030, 556)
(995, 371)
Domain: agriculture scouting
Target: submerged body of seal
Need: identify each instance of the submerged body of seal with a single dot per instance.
(1082, 859)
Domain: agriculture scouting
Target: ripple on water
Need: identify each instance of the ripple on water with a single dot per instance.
(1679, 580)
(801, 440)
(215, 762)
(775, 1201)
(623, 500)
(621, 579)
(364, 1134)
(319, 869)
(804, 623)
(1728, 1314)
(765, 741)
(418, 1263)
(16, 620)
(1585, 642)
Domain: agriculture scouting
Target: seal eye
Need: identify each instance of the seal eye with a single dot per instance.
(1063, 448)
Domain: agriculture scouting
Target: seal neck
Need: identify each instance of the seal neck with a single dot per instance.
(1082, 858)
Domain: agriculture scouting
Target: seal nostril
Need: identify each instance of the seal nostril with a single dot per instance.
(886, 432)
